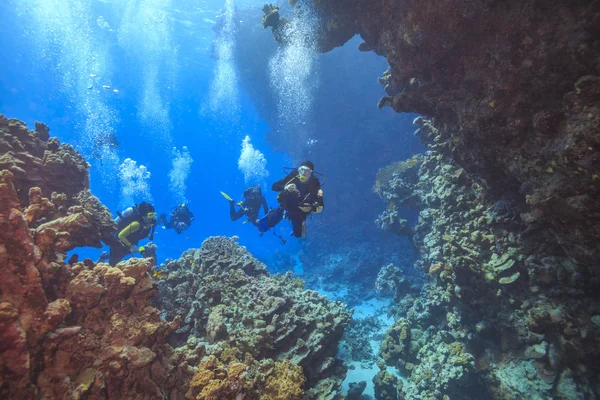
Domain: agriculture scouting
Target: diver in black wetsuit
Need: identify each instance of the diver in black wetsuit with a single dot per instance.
(250, 207)
(181, 219)
(300, 194)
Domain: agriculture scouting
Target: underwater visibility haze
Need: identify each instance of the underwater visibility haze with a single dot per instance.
(313, 199)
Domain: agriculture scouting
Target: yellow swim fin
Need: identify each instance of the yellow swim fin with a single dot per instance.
(226, 196)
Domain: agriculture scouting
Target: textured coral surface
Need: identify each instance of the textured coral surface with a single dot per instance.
(69, 330)
(502, 298)
(234, 309)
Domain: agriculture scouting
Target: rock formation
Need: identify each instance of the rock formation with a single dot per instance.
(508, 196)
(234, 310)
(74, 329)
(512, 89)
(498, 291)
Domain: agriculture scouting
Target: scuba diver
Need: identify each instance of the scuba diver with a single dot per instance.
(133, 225)
(250, 207)
(300, 195)
(181, 219)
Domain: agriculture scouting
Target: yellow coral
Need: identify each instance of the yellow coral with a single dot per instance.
(285, 383)
(435, 268)
(214, 382)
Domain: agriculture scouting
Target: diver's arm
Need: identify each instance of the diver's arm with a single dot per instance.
(280, 184)
(233, 214)
(128, 230)
(265, 206)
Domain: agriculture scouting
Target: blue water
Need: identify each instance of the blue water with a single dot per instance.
(161, 57)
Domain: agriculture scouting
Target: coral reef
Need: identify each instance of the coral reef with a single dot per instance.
(75, 329)
(508, 195)
(492, 291)
(41, 166)
(386, 384)
(233, 309)
(392, 282)
(88, 330)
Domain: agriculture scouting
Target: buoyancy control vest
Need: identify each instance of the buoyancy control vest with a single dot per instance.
(130, 215)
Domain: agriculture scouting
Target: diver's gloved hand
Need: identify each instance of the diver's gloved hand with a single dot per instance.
(291, 187)
(134, 249)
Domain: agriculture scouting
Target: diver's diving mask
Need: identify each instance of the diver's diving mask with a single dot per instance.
(304, 173)
(150, 218)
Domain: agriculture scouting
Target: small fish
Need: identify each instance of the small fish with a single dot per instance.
(159, 274)
(116, 91)
(92, 75)
(105, 87)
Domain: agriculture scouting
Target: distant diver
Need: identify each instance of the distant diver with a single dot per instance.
(133, 224)
(103, 142)
(300, 195)
(250, 207)
(180, 219)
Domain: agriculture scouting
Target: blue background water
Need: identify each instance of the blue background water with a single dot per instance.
(48, 55)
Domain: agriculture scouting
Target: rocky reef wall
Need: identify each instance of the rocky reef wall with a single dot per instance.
(507, 311)
(511, 87)
(508, 195)
(69, 328)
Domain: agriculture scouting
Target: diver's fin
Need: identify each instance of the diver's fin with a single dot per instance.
(226, 196)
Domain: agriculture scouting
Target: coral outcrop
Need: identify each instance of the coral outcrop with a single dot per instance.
(87, 330)
(493, 291)
(52, 181)
(78, 329)
(234, 310)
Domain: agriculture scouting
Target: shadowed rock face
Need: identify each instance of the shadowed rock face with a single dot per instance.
(509, 195)
(512, 87)
(501, 290)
